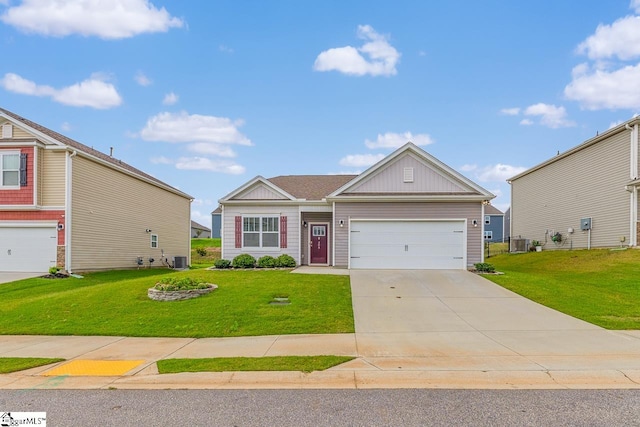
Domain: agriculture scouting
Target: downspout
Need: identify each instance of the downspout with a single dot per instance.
(481, 232)
(333, 235)
(633, 216)
(67, 212)
(222, 231)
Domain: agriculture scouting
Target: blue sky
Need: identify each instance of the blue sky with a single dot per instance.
(205, 95)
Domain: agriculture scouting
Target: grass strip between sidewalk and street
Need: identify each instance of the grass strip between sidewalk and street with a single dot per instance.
(236, 364)
(14, 364)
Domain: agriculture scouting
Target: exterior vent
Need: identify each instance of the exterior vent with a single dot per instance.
(408, 174)
(179, 262)
(519, 245)
(7, 131)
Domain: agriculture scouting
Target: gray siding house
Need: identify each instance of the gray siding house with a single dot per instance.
(408, 211)
(583, 198)
(493, 224)
(199, 231)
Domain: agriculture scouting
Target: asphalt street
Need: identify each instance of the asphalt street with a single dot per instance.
(408, 407)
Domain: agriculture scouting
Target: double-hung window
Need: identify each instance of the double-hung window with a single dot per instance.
(261, 232)
(9, 169)
(487, 219)
(488, 235)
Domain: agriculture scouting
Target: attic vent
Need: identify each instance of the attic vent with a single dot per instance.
(408, 174)
(7, 131)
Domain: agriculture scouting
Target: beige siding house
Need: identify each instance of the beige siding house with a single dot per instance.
(586, 197)
(408, 211)
(66, 205)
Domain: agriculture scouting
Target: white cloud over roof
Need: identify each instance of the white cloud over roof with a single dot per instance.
(107, 19)
(375, 57)
(396, 140)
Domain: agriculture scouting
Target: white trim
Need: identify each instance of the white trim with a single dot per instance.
(10, 152)
(28, 224)
(258, 179)
(260, 216)
(328, 225)
(482, 233)
(633, 227)
(333, 234)
(68, 225)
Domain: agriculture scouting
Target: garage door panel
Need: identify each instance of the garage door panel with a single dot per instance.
(29, 249)
(407, 244)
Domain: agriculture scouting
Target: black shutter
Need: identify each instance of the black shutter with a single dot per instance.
(23, 170)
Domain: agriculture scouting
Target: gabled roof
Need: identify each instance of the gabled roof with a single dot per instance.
(467, 187)
(199, 226)
(311, 187)
(492, 210)
(56, 138)
(254, 183)
(589, 142)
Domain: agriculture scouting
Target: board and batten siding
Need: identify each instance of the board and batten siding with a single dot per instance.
(391, 179)
(588, 183)
(229, 250)
(439, 210)
(52, 174)
(317, 217)
(110, 213)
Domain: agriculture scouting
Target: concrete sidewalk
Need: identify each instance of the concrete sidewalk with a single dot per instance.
(414, 329)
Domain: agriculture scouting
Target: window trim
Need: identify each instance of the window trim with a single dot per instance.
(9, 153)
(487, 220)
(488, 235)
(260, 232)
(154, 242)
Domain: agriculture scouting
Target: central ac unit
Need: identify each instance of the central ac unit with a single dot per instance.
(179, 262)
(519, 245)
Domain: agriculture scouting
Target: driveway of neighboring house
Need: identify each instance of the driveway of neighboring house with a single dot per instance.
(11, 276)
(461, 320)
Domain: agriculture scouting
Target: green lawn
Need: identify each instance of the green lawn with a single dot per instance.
(211, 254)
(116, 303)
(599, 286)
(14, 364)
(226, 364)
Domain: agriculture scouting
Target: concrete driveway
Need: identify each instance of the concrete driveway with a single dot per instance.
(459, 320)
(11, 276)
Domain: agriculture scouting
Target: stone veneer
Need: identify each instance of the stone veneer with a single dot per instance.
(157, 295)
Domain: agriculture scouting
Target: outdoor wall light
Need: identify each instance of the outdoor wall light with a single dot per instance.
(474, 222)
(341, 223)
(304, 224)
(148, 230)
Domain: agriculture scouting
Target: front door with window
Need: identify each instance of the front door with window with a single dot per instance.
(318, 241)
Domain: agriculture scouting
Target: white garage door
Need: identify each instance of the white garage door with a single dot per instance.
(420, 245)
(29, 249)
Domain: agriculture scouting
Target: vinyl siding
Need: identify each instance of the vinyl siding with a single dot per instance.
(52, 175)
(391, 179)
(229, 251)
(588, 183)
(110, 213)
(452, 210)
(259, 192)
(18, 133)
(310, 217)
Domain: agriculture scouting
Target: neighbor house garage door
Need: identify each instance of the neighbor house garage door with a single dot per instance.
(405, 244)
(29, 249)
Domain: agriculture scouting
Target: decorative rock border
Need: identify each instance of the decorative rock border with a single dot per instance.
(157, 295)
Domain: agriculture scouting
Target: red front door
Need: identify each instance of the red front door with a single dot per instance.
(319, 253)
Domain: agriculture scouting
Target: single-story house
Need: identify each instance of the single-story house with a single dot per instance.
(199, 231)
(64, 204)
(585, 197)
(408, 211)
(493, 224)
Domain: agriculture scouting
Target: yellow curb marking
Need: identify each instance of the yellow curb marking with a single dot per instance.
(106, 368)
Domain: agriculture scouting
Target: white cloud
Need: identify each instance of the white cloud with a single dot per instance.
(170, 99)
(202, 163)
(94, 92)
(620, 39)
(211, 149)
(107, 19)
(493, 173)
(360, 160)
(602, 89)
(510, 111)
(65, 126)
(225, 49)
(395, 140)
(142, 79)
(375, 57)
(191, 128)
(161, 160)
(526, 122)
(550, 115)
(635, 5)
(203, 218)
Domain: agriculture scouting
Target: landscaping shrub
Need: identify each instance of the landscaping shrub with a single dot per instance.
(484, 267)
(179, 284)
(222, 263)
(244, 261)
(285, 261)
(201, 251)
(266, 261)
